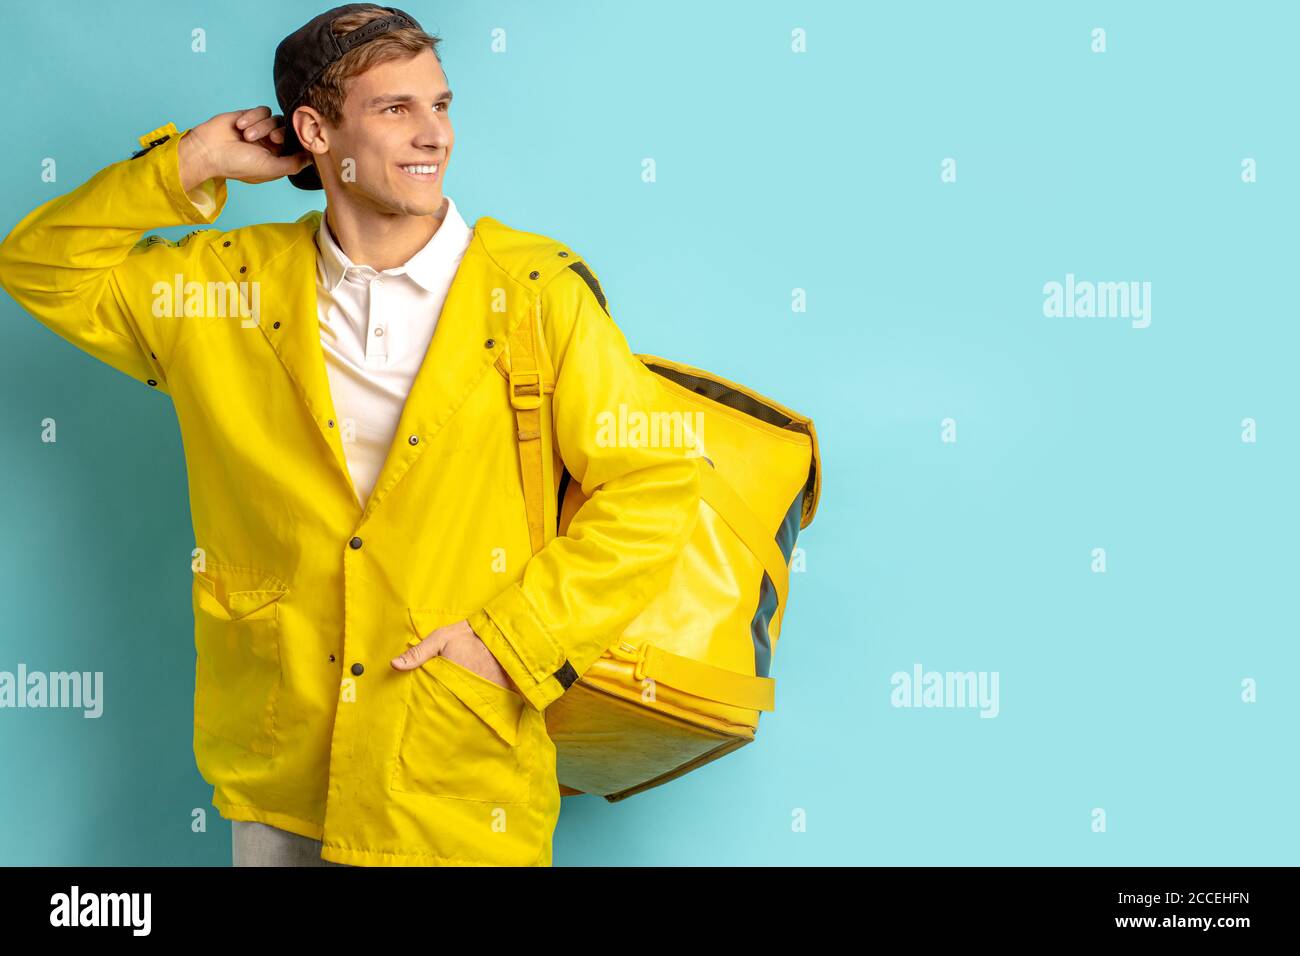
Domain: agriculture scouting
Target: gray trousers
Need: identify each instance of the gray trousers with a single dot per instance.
(257, 844)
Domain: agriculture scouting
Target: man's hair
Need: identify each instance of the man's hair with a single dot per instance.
(327, 94)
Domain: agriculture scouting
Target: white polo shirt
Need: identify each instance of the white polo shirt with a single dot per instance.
(375, 328)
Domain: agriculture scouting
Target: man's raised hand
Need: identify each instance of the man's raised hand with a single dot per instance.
(242, 144)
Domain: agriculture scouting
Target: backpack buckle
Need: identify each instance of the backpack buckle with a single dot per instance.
(526, 389)
(634, 654)
(623, 651)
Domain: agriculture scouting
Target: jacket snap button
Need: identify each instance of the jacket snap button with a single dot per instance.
(534, 274)
(331, 658)
(276, 326)
(152, 382)
(330, 423)
(355, 543)
(489, 343)
(357, 669)
(226, 243)
(564, 255)
(414, 439)
(243, 268)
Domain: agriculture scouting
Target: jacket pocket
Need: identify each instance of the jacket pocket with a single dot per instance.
(237, 672)
(460, 731)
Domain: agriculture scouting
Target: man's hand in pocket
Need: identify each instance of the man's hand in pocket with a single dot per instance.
(458, 643)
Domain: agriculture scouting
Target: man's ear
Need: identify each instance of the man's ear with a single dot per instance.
(310, 127)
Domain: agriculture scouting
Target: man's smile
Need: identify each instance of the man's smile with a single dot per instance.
(425, 173)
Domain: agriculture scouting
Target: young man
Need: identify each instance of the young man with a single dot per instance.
(378, 627)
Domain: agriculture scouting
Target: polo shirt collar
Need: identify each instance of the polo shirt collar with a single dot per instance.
(448, 242)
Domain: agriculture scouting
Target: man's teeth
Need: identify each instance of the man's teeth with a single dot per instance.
(420, 169)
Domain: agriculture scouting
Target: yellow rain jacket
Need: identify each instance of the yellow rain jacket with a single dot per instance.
(301, 597)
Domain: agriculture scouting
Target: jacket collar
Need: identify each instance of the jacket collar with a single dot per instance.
(282, 257)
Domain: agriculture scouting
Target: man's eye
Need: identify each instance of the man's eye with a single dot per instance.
(399, 106)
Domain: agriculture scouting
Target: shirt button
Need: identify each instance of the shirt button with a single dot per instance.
(355, 543)
(357, 669)
(379, 331)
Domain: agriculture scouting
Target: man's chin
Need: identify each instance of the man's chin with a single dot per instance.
(430, 204)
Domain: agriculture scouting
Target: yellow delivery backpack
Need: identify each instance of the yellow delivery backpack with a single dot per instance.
(685, 683)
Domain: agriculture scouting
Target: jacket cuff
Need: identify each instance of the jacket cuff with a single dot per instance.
(166, 159)
(535, 660)
(204, 197)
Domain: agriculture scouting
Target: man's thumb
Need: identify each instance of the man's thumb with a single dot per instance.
(417, 654)
(288, 165)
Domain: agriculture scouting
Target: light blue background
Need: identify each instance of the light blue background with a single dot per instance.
(775, 171)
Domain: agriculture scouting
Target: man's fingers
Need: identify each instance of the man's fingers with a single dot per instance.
(263, 127)
(248, 117)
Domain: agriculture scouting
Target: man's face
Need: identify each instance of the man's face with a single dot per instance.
(395, 117)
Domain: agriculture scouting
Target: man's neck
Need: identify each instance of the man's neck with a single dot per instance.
(381, 241)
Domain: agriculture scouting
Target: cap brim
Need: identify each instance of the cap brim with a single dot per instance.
(307, 177)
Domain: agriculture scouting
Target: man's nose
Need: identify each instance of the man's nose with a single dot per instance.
(436, 134)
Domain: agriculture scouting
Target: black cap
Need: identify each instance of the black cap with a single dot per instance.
(304, 55)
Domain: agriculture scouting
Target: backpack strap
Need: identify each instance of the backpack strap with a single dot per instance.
(731, 508)
(531, 380)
